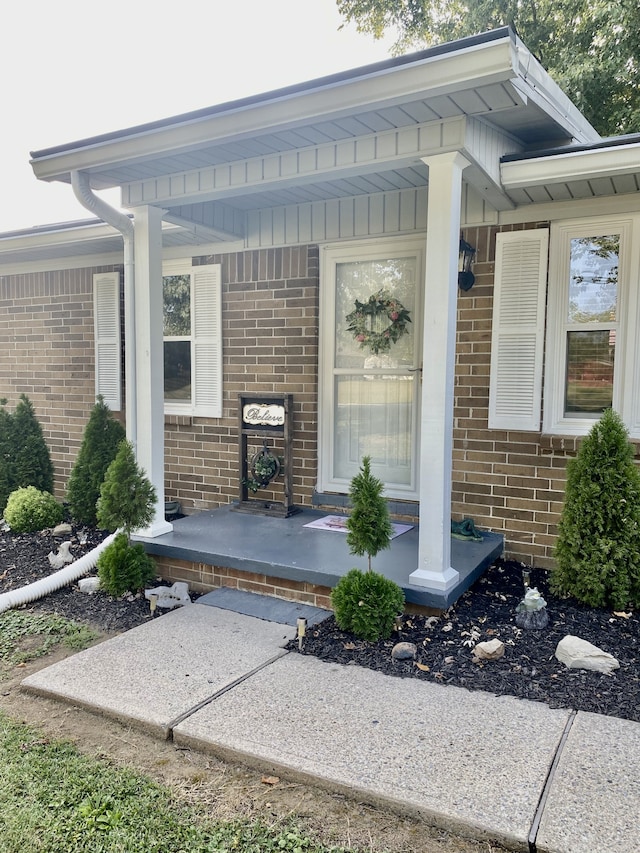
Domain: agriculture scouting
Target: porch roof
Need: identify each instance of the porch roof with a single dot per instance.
(361, 132)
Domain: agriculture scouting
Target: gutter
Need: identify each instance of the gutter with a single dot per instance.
(82, 189)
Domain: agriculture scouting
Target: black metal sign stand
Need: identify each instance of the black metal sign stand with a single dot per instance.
(267, 418)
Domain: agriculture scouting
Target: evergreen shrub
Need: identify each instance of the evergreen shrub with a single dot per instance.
(124, 567)
(127, 498)
(598, 547)
(100, 442)
(367, 604)
(31, 459)
(29, 510)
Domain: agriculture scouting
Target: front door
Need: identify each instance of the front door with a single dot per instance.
(371, 359)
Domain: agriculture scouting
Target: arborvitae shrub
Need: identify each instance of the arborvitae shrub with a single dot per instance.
(368, 525)
(29, 510)
(31, 459)
(127, 498)
(7, 479)
(598, 547)
(367, 604)
(100, 442)
(124, 567)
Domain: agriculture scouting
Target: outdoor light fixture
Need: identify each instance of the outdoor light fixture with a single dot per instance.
(466, 254)
(302, 630)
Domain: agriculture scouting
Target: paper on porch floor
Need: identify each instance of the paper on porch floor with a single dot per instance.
(338, 523)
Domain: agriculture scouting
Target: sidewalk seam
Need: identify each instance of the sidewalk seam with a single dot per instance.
(535, 826)
(195, 708)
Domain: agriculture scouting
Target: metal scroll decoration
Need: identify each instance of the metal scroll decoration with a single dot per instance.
(379, 322)
(265, 467)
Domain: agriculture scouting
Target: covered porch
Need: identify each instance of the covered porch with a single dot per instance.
(285, 549)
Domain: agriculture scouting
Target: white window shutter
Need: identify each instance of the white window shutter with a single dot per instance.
(206, 303)
(106, 321)
(517, 340)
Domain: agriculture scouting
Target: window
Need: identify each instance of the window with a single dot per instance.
(192, 339)
(591, 325)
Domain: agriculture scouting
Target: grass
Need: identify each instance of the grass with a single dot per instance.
(25, 636)
(54, 799)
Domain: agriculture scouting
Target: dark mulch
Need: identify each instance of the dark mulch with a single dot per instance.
(528, 670)
(24, 559)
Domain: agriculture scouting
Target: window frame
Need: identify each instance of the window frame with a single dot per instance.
(627, 354)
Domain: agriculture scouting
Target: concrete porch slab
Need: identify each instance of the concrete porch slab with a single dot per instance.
(466, 761)
(285, 548)
(155, 674)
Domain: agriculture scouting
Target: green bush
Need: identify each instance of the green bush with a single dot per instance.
(24, 455)
(368, 525)
(127, 498)
(124, 567)
(598, 547)
(29, 510)
(367, 604)
(31, 459)
(100, 442)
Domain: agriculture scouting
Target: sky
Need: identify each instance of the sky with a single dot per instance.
(71, 69)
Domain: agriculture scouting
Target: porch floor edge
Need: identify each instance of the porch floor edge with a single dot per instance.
(286, 548)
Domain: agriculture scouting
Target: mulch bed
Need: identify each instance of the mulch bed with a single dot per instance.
(528, 670)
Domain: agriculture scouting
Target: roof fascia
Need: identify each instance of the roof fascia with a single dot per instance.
(574, 165)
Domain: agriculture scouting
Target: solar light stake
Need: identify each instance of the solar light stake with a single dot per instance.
(526, 578)
(302, 630)
(153, 600)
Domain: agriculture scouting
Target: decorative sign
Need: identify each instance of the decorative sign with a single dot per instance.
(263, 414)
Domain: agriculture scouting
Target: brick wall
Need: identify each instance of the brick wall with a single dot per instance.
(509, 482)
(270, 344)
(46, 352)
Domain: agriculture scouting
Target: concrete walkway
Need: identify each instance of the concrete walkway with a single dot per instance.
(514, 771)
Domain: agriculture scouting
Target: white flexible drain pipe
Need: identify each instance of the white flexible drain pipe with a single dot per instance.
(67, 575)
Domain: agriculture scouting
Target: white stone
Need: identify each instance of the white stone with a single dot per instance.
(489, 650)
(575, 653)
(168, 597)
(89, 584)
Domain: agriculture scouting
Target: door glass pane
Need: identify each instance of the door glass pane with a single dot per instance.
(177, 305)
(375, 380)
(388, 286)
(593, 279)
(177, 370)
(590, 358)
(374, 417)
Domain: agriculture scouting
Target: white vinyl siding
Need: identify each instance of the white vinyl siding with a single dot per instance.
(517, 340)
(106, 314)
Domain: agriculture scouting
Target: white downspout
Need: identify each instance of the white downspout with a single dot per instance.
(83, 192)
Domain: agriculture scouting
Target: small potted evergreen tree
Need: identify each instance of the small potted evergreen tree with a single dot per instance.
(367, 603)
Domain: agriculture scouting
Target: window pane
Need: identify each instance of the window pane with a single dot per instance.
(374, 417)
(589, 386)
(593, 282)
(395, 280)
(177, 305)
(177, 370)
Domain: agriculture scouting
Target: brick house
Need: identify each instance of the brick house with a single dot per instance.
(267, 219)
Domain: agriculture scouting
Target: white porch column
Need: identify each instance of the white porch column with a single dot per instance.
(149, 356)
(436, 433)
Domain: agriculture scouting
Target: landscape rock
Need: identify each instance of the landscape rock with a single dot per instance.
(63, 529)
(575, 653)
(91, 584)
(489, 650)
(404, 651)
